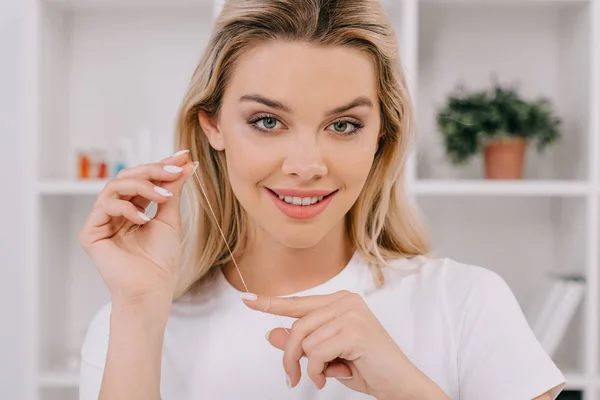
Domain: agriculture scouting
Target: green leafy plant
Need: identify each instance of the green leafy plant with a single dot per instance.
(470, 119)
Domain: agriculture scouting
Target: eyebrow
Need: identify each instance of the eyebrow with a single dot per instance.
(361, 101)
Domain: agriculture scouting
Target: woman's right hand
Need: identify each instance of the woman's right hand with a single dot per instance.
(136, 264)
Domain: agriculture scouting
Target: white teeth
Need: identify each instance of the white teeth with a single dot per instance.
(300, 201)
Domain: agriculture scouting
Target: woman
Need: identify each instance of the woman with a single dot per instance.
(297, 124)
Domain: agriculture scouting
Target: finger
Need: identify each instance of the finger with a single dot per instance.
(322, 354)
(302, 331)
(125, 189)
(160, 171)
(156, 174)
(338, 369)
(169, 212)
(294, 306)
(278, 338)
(167, 170)
(170, 165)
(112, 208)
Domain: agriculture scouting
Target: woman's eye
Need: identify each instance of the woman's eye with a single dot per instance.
(341, 126)
(346, 127)
(268, 123)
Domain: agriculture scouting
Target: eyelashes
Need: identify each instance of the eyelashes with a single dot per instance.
(270, 119)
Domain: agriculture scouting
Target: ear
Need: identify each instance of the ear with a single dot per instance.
(211, 130)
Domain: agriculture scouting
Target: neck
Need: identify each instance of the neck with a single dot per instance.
(270, 268)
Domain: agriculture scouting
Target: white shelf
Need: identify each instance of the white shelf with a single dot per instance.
(501, 188)
(578, 381)
(71, 187)
(58, 379)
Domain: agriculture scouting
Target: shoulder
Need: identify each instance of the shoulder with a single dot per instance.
(456, 288)
(445, 276)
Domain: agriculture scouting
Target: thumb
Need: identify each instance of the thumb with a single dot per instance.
(170, 211)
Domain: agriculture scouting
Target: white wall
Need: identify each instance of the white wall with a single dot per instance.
(12, 194)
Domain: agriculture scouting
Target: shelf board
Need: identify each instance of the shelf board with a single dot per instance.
(71, 187)
(501, 188)
(58, 379)
(579, 381)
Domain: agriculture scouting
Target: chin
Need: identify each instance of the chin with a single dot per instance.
(298, 241)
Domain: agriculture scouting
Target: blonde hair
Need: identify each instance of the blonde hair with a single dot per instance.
(382, 224)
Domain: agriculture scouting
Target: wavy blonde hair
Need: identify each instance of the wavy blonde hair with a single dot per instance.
(382, 224)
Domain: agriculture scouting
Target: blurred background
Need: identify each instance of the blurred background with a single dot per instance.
(506, 168)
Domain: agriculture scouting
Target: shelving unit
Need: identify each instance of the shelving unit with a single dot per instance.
(106, 68)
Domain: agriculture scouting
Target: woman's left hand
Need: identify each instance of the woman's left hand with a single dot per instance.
(340, 337)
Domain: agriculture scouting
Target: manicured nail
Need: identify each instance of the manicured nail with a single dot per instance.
(345, 377)
(180, 152)
(143, 216)
(249, 296)
(172, 169)
(288, 381)
(267, 335)
(162, 192)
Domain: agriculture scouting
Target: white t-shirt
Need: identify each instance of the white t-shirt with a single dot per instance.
(459, 324)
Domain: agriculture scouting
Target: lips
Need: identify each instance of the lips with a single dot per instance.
(303, 193)
(301, 212)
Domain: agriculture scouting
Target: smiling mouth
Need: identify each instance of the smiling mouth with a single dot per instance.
(301, 201)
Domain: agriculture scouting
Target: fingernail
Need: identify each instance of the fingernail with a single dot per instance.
(288, 381)
(249, 296)
(162, 192)
(267, 335)
(345, 377)
(143, 216)
(172, 169)
(180, 152)
(196, 163)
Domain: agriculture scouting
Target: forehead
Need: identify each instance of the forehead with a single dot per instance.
(302, 73)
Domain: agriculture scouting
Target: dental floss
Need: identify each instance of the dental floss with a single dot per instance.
(228, 248)
(226, 244)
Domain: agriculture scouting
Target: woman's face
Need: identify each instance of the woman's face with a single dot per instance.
(299, 125)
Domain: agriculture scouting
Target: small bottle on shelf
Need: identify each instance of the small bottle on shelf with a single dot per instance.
(102, 169)
(99, 168)
(124, 155)
(119, 163)
(84, 164)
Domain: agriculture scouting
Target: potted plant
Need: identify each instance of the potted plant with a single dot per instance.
(499, 123)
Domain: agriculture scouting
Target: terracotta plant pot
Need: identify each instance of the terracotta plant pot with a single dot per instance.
(504, 158)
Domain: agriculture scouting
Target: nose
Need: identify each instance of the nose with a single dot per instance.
(303, 159)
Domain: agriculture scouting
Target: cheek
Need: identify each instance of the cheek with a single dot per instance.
(248, 163)
(352, 163)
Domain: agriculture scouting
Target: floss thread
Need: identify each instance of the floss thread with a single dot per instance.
(226, 244)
